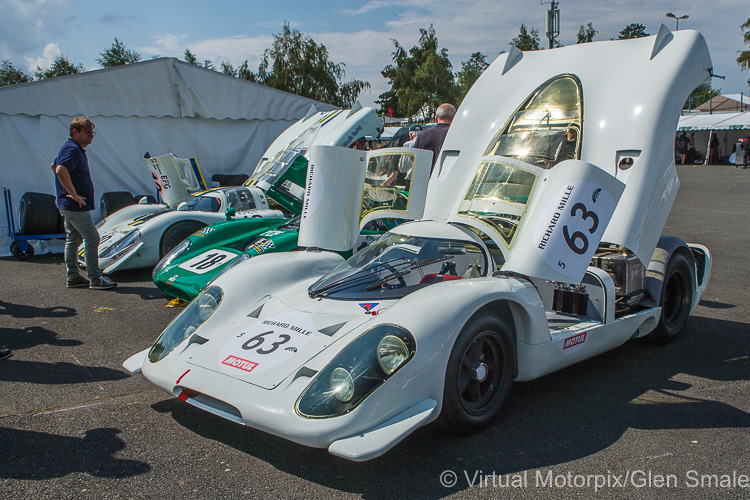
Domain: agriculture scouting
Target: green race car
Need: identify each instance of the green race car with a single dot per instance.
(380, 206)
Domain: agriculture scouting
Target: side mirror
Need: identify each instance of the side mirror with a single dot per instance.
(230, 213)
(182, 207)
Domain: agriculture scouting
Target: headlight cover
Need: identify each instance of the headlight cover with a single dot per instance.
(122, 246)
(195, 314)
(176, 252)
(357, 371)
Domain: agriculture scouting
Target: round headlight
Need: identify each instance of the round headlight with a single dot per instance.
(392, 351)
(206, 305)
(342, 384)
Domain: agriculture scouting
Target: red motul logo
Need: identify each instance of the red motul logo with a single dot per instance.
(240, 363)
(575, 340)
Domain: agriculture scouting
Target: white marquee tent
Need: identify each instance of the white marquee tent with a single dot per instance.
(160, 106)
(730, 127)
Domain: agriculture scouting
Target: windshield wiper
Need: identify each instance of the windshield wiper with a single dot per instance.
(355, 278)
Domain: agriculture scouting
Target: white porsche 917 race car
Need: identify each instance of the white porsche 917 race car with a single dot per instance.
(140, 235)
(540, 246)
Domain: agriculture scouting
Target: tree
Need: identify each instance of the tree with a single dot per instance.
(244, 73)
(9, 75)
(228, 69)
(526, 40)
(471, 70)
(744, 56)
(420, 79)
(699, 96)
(191, 59)
(117, 55)
(297, 64)
(61, 66)
(586, 34)
(633, 30)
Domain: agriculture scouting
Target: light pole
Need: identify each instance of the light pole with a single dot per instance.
(677, 20)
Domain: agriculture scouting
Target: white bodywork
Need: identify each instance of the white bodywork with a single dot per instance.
(538, 233)
(131, 237)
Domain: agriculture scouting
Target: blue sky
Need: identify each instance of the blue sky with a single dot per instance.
(356, 33)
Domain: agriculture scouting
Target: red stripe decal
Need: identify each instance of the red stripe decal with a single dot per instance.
(178, 380)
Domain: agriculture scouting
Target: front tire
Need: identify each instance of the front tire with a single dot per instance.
(479, 374)
(676, 300)
(175, 233)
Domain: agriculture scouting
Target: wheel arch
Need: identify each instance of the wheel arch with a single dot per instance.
(665, 249)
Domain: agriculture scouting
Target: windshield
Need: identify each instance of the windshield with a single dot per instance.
(272, 169)
(397, 265)
(546, 129)
(205, 203)
(498, 196)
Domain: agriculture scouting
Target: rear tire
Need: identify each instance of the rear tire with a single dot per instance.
(114, 201)
(675, 301)
(15, 249)
(479, 374)
(38, 214)
(176, 233)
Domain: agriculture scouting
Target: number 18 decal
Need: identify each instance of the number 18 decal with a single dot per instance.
(574, 220)
(207, 261)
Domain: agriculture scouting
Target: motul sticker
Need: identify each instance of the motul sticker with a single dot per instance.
(570, 344)
(240, 363)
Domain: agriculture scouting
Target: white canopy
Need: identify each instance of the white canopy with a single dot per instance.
(714, 121)
(160, 106)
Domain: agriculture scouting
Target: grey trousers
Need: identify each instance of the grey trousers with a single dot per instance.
(80, 228)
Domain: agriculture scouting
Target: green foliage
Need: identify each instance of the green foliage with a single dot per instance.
(744, 55)
(526, 40)
(61, 66)
(471, 70)
(420, 79)
(228, 69)
(244, 73)
(633, 30)
(699, 96)
(586, 33)
(9, 75)
(296, 64)
(117, 55)
(191, 59)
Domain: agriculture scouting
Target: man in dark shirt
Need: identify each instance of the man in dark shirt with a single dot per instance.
(75, 199)
(433, 138)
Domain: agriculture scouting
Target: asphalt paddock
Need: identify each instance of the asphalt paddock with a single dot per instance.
(640, 421)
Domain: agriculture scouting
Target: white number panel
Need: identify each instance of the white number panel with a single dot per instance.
(208, 261)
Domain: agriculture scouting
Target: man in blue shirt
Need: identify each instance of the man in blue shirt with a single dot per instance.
(75, 199)
(432, 138)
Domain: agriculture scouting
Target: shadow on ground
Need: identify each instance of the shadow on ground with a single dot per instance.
(35, 455)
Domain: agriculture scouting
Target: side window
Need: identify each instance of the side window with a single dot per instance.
(546, 128)
(388, 182)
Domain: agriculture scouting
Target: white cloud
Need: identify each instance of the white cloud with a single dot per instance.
(50, 52)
